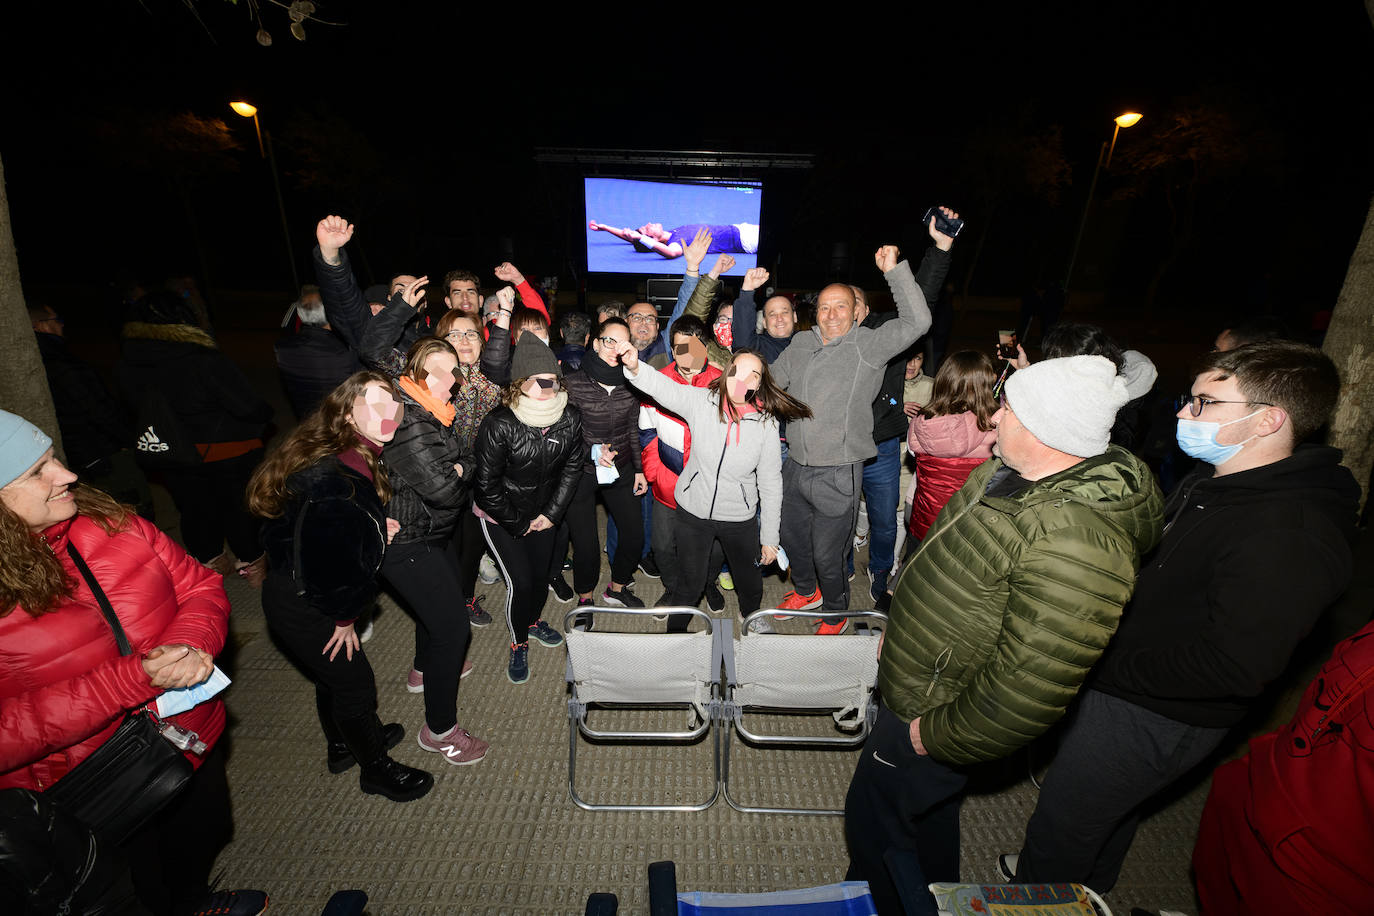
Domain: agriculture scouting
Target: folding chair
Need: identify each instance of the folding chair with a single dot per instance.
(643, 671)
(777, 672)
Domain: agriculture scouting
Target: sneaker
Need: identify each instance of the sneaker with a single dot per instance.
(795, 602)
(467, 669)
(365, 634)
(761, 625)
(1006, 865)
(518, 671)
(878, 585)
(622, 598)
(714, 599)
(415, 681)
(459, 747)
(545, 635)
(832, 626)
(583, 621)
(883, 602)
(726, 581)
(860, 541)
(341, 759)
(561, 589)
(477, 615)
(232, 903)
(486, 570)
(649, 567)
(567, 564)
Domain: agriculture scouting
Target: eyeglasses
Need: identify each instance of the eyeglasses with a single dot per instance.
(464, 335)
(1197, 403)
(642, 319)
(610, 342)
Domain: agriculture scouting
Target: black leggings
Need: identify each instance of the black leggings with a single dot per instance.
(524, 562)
(425, 574)
(467, 541)
(623, 506)
(740, 540)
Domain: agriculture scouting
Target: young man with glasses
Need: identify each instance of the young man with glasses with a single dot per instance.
(1255, 547)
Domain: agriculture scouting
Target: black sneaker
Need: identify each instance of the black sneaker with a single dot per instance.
(1006, 865)
(714, 599)
(477, 615)
(232, 903)
(622, 598)
(583, 621)
(649, 567)
(545, 635)
(561, 589)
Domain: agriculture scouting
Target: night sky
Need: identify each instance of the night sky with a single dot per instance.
(423, 126)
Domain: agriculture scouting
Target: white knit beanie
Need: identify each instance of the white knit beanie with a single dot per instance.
(1068, 404)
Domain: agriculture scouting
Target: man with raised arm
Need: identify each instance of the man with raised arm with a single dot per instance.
(836, 369)
(998, 618)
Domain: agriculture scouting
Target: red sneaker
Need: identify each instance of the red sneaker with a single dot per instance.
(832, 626)
(795, 602)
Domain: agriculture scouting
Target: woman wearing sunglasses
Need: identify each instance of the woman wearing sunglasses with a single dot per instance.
(529, 462)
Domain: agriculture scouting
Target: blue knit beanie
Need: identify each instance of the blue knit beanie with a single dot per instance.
(21, 445)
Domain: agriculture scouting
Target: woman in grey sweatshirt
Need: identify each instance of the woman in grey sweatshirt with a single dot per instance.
(733, 473)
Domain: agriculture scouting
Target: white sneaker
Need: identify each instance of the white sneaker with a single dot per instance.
(486, 570)
(365, 633)
(761, 625)
(1006, 865)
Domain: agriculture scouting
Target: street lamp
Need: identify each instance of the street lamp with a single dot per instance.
(1104, 157)
(248, 110)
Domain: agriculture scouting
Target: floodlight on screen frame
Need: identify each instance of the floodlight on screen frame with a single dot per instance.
(642, 227)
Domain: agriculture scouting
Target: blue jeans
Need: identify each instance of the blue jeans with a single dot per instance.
(882, 483)
(646, 503)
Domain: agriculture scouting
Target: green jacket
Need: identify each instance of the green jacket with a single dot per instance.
(1011, 600)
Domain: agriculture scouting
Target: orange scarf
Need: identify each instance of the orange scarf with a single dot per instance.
(443, 411)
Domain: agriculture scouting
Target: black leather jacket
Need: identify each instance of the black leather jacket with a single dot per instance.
(427, 495)
(523, 472)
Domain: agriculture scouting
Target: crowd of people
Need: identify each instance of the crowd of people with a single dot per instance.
(1016, 533)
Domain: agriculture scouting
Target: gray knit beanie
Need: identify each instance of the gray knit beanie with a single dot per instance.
(21, 445)
(1070, 403)
(532, 357)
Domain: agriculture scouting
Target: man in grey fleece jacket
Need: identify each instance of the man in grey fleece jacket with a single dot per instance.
(836, 368)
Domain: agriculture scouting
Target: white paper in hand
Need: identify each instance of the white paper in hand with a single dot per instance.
(604, 475)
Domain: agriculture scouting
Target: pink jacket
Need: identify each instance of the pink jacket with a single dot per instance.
(947, 449)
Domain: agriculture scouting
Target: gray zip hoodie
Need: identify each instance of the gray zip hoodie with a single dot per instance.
(839, 380)
(734, 468)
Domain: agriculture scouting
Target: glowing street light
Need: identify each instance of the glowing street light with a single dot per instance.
(249, 110)
(1104, 157)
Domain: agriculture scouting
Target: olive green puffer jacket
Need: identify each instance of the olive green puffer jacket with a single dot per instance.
(1011, 600)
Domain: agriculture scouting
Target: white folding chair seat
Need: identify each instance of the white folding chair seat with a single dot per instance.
(618, 670)
(800, 674)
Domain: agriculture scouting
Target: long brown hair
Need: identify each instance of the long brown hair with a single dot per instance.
(32, 577)
(769, 398)
(325, 432)
(964, 385)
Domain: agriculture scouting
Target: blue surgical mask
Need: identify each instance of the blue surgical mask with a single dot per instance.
(1198, 439)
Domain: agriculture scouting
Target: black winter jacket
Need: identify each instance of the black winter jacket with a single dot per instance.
(93, 426)
(330, 539)
(427, 495)
(523, 472)
(1247, 564)
(313, 362)
(607, 418)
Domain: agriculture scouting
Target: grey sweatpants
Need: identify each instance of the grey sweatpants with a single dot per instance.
(819, 508)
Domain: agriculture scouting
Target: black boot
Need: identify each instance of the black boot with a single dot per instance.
(341, 758)
(379, 774)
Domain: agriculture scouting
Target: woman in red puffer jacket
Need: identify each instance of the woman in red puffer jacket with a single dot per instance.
(64, 687)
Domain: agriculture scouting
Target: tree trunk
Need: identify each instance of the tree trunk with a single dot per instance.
(23, 384)
(1350, 344)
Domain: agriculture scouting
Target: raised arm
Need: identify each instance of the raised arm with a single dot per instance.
(744, 318)
(913, 315)
(496, 354)
(344, 304)
(384, 333)
(675, 398)
(507, 272)
(692, 257)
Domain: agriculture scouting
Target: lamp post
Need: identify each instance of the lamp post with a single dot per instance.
(248, 110)
(1104, 157)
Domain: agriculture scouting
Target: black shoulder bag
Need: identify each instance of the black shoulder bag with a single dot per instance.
(128, 779)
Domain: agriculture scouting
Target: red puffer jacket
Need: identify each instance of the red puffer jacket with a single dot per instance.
(947, 449)
(64, 686)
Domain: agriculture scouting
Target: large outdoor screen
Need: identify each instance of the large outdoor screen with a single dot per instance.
(643, 227)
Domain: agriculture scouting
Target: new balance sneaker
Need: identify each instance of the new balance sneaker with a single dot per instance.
(649, 567)
(545, 635)
(518, 671)
(415, 681)
(458, 745)
(714, 599)
(795, 602)
(561, 589)
(726, 581)
(477, 615)
(622, 598)
(486, 570)
(232, 903)
(1006, 865)
(832, 626)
